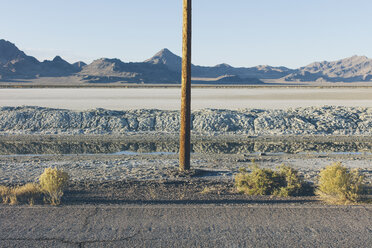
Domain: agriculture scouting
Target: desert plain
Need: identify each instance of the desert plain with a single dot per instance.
(168, 98)
(120, 147)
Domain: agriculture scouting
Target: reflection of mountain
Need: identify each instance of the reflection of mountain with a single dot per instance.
(165, 67)
(227, 79)
(203, 147)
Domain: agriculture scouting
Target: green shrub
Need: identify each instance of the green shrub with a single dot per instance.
(284, 182)
(291, 183)
(338, 185)
(53, 182)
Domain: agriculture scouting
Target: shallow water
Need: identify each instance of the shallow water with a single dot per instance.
(168, 148)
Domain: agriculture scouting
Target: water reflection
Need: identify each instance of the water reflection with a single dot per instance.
(117, 147)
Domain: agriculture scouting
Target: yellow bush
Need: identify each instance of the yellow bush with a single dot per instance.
(53, 182)
(284, 182)
(338, 185)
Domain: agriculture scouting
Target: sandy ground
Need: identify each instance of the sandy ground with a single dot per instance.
(21, 169)
(169, 98)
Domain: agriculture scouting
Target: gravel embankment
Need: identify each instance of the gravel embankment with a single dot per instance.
(300, 121)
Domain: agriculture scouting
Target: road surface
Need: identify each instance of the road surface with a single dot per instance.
(279, 225)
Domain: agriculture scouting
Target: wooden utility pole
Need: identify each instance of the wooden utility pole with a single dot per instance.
(185, 145)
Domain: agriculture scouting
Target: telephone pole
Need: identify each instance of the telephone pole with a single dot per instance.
(185, 143)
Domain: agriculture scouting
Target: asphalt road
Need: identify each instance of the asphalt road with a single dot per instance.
(186, 226)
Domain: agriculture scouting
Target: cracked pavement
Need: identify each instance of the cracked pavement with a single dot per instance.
(202, 225)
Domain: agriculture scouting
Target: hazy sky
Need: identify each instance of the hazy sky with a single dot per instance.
(292, 33)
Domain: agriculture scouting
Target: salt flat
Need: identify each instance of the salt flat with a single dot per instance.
(169, 98)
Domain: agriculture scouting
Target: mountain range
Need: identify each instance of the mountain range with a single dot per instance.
(165, 68)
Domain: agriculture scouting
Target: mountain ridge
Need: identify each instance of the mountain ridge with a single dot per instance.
(165, 67)
(354, 68)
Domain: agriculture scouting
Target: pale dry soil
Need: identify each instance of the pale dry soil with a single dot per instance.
(168, 98)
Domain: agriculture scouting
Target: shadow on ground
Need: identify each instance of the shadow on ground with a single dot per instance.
(182, 191)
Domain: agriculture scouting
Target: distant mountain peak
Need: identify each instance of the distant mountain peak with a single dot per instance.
(107, 60)
(356, 59)
(359, 56)
(6, 44)
(106, 63)
(223, 65)
(165, 51)
(79, 64)
(9, 52)
(351, 69)
(103, 67)
(166, 57)
(58, 59)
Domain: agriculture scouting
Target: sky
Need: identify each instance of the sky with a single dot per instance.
(289, 33)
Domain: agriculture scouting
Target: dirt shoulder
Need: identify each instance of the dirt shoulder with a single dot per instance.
(189, 191)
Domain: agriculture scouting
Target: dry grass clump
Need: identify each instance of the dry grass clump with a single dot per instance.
(338, 185)
(29, 193)
(211, 190)
(52, 183)
(4, 194)
(206, 190)
(284, 182)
